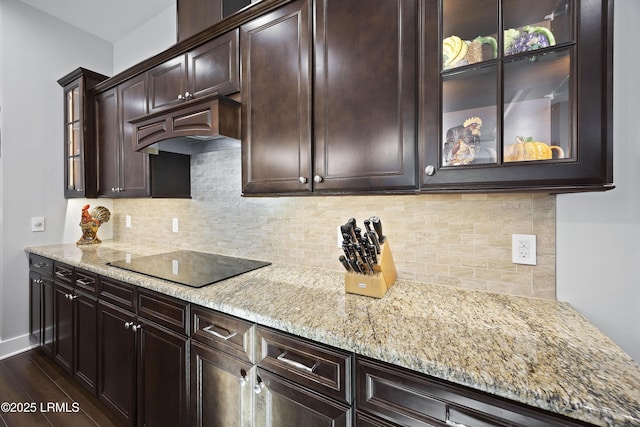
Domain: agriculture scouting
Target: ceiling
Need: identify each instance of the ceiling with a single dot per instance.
(109, 20)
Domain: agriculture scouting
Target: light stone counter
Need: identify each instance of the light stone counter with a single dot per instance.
(541, 353)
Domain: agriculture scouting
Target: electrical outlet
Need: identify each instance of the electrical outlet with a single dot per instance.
(523, 249)
(174, 225)
(127, 221)
(37, 223)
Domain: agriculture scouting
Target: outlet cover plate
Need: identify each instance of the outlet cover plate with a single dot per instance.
(523, 249)
(37, 223)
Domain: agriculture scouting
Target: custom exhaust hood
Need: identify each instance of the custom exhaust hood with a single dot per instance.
(205, 124)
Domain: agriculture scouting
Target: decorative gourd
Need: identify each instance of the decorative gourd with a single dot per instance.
(526, 150)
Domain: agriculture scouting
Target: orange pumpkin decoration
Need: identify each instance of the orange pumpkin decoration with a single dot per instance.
(530, 150)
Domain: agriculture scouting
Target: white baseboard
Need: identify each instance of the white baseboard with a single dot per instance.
(15, 346)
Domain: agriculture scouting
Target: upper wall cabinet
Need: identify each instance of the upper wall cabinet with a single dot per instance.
(198, 15)
(124, 172)
(362, 104)
(79, 144)
(525, 96)
(210, 68)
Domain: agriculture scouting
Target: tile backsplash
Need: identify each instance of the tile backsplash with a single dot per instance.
(461, 240)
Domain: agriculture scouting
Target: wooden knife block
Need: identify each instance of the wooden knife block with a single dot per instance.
(374, 285)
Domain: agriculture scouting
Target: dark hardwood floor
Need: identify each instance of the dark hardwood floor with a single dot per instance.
(52, 396)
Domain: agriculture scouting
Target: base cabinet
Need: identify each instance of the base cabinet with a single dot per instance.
(222, 388)
(116, 361)
(143, 365)
(284, 403)
(41, 324)
(388, 395)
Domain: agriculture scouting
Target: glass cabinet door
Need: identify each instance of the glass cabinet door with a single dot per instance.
(506, 86)
(74, 173)
(523, 95)
(80, 176)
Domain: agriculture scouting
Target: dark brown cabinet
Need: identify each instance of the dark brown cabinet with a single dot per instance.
(143, 362)
(41, 296)
(390, 395)
(525, 103)
(63, 340)
(75, 324)
(123, 171)
(362, 106)
(210, 68)
(302, 382)
(79, 140)
(222, 370)
(116, 360)
(198, 15)
(365, 104)
(276, 101)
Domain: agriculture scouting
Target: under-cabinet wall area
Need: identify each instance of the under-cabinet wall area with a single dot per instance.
(461, 240)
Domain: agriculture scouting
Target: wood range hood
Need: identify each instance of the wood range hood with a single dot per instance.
(200, 125)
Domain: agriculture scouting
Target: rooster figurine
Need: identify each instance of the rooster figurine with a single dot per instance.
(90, 222)
(461, 142)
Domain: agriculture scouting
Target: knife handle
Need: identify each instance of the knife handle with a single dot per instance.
(377, 225)
(344, 262)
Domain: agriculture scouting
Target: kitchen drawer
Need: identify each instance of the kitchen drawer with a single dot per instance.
(41, 264)
(409, 398)
(315, 366)
(87, 281)
(164, 310)
(118, 293)
(226, 333)
(63, 272)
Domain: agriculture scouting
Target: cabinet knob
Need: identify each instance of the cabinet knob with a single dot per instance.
(430, 170)
(258, 387)
(180, 97)
(136, 328)
(318, 179)
(243, 380)
(302, 180)
(70, 296)
(188, 95)
(127, 325)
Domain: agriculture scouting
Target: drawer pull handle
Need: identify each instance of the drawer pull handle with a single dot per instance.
(63, 274)
(453, 423)
(283, 358)
(219, 335)
(85, 282)
(42, 265)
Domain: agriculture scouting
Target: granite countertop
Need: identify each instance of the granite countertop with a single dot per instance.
(537, 352)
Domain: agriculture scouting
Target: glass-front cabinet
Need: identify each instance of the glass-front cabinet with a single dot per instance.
(79, 146)
(525, 96)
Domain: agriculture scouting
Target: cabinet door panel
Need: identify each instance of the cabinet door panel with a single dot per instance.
(135, 165)
(116, 361)
(214, 66)
(35, 308)
(86, 340)
(63, 319)
(365, 94)
(221, 388)
(285, 404)
(48, 322)
(163, 389)
(166, 82)
(108, 140)
(276, 101)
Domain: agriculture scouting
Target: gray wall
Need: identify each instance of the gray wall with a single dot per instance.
(35, 51)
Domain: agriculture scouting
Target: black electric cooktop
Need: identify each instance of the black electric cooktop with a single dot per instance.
(190, 268)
